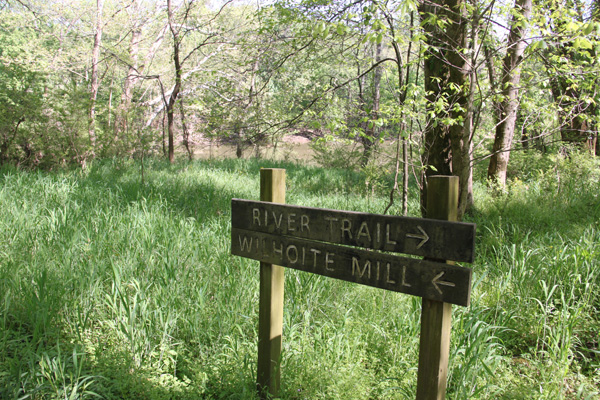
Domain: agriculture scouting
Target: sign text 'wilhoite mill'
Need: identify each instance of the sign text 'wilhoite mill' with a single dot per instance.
(317, 240)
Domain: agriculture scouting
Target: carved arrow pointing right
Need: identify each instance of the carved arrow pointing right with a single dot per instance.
(423, 236)
(435, 281)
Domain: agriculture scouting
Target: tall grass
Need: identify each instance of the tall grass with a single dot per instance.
(121, 289)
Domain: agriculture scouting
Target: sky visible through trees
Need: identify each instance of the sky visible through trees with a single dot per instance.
(453, 83)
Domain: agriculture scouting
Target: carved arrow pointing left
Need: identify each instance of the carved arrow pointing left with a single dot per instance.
(436, 281)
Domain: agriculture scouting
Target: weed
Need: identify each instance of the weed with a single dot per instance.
(119, 288)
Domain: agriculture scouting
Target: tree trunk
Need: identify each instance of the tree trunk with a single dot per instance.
(489, 63)
(562, 60)
(122, 123)
(176, 88)
(508, 108)
(238, 126)
(447, 71)
(239, 145)
(171, 123)
(95, 83)
(186, 132)
(402, 141)
(371, 130)
(571, 113)
(7, 142)
(462, 145)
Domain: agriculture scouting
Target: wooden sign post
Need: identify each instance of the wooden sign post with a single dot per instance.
(434, 344)
(318, 241)
(270, 308)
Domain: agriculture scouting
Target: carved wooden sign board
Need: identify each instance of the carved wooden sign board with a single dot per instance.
(356, 247)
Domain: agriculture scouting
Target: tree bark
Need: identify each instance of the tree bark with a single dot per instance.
(447, 73)
(562, 60)
(95, 83)
(176, 88)
(122, 120)
(574, 127)
(370, 131)
(7, 142)
(510, 81)
(186, 132)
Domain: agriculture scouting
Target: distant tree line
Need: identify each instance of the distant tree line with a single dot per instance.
(453, 82)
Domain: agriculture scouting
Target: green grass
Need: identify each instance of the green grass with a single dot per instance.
(116, 288)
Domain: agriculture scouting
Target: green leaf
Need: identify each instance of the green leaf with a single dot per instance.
(539, 45)
(572, 26)
(582, 43)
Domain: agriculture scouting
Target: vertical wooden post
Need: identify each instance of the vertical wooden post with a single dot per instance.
(270, 315)
(442, 203)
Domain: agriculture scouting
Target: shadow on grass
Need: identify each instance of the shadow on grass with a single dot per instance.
(204, 189)
(200, 190)
(526, 215)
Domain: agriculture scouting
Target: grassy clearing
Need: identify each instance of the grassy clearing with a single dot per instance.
(127, 290)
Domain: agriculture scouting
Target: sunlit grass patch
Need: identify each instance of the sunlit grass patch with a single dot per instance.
(122, 286)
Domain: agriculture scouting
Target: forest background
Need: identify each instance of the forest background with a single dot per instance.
(444, 81)
(502, 94)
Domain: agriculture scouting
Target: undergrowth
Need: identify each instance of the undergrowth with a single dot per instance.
(119, 288)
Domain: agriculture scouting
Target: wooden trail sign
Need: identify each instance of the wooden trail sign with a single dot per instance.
(430, 238)
(427, 279)
(318, 241)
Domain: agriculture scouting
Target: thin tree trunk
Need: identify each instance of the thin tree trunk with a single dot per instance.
(238, 125)
(7, 142)
(362, 103)
(164, 146)
(176, 88)
(404, 176)
(122, 122)
(463, 145)
(402, 144)
(110, 100)
(370, 131)
(489, 62)
(508, 108)
(95, 83)
(573, 111)
(406, 149)
(186, 133)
